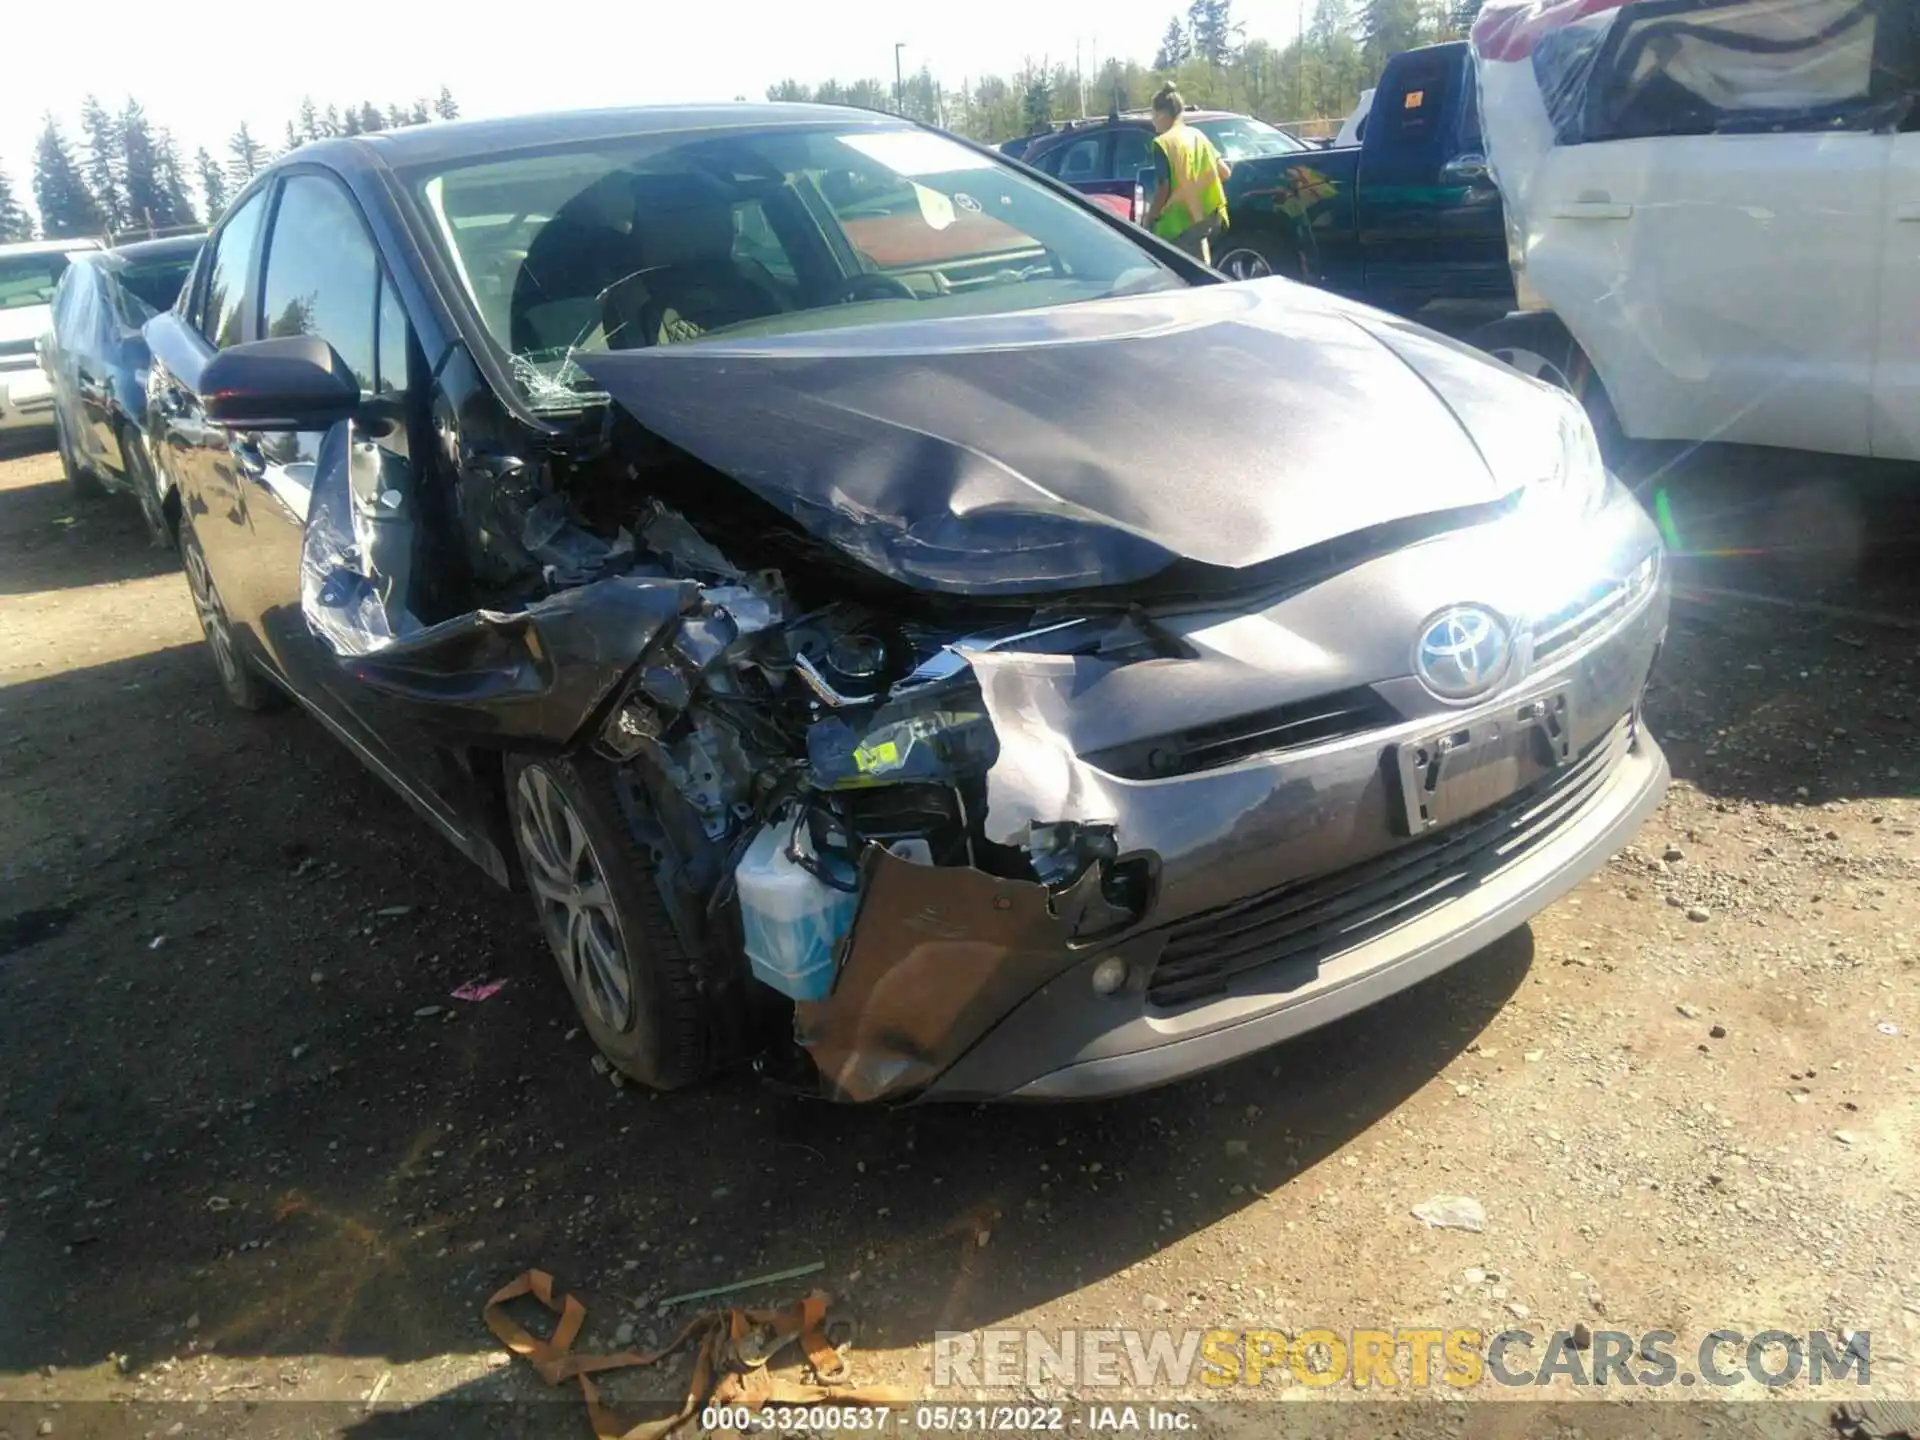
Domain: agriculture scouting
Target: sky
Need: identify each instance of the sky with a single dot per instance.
(201, 68)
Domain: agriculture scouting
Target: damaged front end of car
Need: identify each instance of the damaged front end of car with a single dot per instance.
(840, 803)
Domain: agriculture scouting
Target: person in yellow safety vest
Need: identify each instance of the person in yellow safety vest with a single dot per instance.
(1190, 199)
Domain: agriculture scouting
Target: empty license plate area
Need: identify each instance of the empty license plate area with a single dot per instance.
(1474, 763)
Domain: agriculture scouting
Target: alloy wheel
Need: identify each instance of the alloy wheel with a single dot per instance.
(1533, 365)
(576, 904)
(213, 616)
(1244, 264)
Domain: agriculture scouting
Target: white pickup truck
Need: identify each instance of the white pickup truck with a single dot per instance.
(1713, 212)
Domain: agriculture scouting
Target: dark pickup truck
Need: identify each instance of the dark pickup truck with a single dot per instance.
(1408, 216)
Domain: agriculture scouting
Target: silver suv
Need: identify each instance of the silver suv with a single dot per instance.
(28, 274)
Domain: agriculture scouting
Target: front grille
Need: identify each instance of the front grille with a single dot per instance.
(1591, 612)
(1337, 716)
(1318, 918)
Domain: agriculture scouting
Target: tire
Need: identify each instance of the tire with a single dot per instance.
(246, 687)
(84, 483)
(1256, 256)
(1543, 351)
(637, 989)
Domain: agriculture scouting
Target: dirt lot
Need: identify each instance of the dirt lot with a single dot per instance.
(252, 1153)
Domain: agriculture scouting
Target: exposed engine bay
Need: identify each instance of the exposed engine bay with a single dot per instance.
(795, 730)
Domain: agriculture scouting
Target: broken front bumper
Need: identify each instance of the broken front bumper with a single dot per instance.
(1288, 892)
(1066, 1043)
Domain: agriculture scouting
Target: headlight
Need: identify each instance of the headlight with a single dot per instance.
(1573, 483)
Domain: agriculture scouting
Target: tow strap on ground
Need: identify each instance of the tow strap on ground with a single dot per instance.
(731, 1351)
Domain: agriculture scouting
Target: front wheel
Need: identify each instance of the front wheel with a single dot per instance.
(637, 989)
(1255, 257)
(1542, 351)
(83, 482)
(245, 686)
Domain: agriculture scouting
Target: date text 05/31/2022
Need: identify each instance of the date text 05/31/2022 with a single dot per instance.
(960, 1419)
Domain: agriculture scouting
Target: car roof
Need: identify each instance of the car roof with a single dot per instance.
(171, 247)
(1131, 119)
(48, 247)
(445, 142)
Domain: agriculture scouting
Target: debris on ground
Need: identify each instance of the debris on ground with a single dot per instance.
(1452, 1212)
(477, 990)
(812, 1267)
(732, 1352)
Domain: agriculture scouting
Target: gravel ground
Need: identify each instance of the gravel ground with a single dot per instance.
(255, 1161)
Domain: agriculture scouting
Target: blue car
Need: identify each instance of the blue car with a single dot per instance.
(96, 359)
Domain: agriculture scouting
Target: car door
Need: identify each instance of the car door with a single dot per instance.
(324, 275)
(320, 275)
(1714, 242)
(80, 364)
(199, 456)
(1895, 422)
(1398, 196)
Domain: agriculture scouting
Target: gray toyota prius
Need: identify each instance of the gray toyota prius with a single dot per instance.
(899, 624)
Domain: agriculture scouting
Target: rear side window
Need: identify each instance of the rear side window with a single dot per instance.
(1132, 152)
(146, 290)
(1078, 160)
(81, 323)
(1413, 110)
(322, 276)
(233, 250)
(1757, 64)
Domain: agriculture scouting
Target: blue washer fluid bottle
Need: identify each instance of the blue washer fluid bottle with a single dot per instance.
(792, 919)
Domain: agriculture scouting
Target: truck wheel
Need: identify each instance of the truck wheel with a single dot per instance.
(1541, 350)
(1255, 257)
(637, 989)
(84, 483)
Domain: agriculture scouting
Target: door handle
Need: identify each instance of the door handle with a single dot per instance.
(1909, 211)
(1592, 210)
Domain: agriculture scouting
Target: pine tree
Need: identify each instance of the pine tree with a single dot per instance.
(309, 119)
(1211, 24)
(349, 121)
(331, 125)
(15, 223)
(370, 120)
(396, 117)
(248, 155)
(140, 193)
(420, 114)
(170, 182)
(1174, 47)
(68, 210)
(1036, 106)
(1388, 27)
(1462, 14)
(213, 184)
(104, 164)
(444, 107)
(293, 138)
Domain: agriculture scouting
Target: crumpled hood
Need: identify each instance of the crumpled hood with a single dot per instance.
(1090, 444)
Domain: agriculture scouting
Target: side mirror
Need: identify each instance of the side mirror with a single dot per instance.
(1465, 170)
(296, 383)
